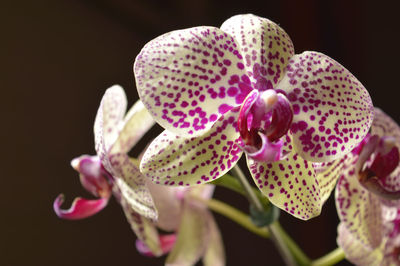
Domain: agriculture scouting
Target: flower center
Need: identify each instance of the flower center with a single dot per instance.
(378, 158)
(264, 117)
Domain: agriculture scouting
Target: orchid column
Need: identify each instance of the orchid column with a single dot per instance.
(221, 92)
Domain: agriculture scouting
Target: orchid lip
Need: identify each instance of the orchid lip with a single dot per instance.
(94, 178)
(80, 208)
(378, 158)
(372, 184)
(269, 151)
(167, 242)
(264, 118)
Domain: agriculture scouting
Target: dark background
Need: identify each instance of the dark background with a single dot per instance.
(58, 58)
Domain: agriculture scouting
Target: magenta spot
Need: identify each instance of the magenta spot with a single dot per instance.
(232, 91)
(223, 71)
(240, 65)
(292, 97)
(234, 79)
(223, 108)
(296, 109)
(227, 62)
(246, 79)
(213, 117)
(184, 104)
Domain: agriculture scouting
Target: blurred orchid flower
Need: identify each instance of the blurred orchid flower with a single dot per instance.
(198, 236)
(367, 197)
(219, 92)
(112, 172)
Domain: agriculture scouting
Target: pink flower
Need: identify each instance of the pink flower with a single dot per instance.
(219, 92)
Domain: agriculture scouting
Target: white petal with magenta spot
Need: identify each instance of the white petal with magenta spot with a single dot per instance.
(132, 185)
(134, 126)
(111, 112)
(177, 161)
(332, 109)
(189, 78)
(265, 46)
(144, 229)
(359, 210)
(356, 252)
(290, 184)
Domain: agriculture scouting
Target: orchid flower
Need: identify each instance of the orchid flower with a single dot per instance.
(220, 92)
(197, 232)
(367, 197)
(111, 171)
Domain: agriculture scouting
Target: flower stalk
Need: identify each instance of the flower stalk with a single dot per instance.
(247, 188)
(234, 214)
(232, 183)
(331, 258)
(274, 231)
(298, 254)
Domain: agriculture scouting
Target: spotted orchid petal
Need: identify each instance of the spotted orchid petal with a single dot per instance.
(80, 208)
(193, 236)
(106, 126)
(144, 229)
(200, 160)
(359, 210)
(168, 204)
(355, 251)
(384, 126)
(167, 242)
(132, 185)
(265, 47)
(332, 109)
(189, 78)
(215, 253)
(135, 125)
(327, 175)
(289, 184)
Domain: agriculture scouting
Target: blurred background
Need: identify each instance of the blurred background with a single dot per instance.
(58, 58)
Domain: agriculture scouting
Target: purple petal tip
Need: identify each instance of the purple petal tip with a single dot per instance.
(80, 208)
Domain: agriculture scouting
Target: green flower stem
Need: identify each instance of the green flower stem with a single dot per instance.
(274, 231)
(331, 258)
(232, 183)
(233, 214)
(229, 182)
(299, 255)
(247, 188)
